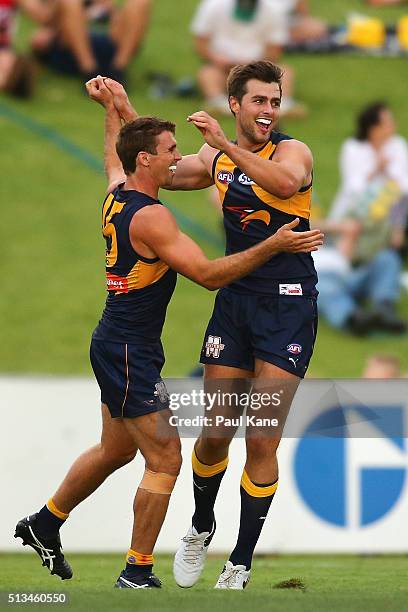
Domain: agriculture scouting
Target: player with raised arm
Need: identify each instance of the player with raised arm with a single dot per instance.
(265, 323)
(144, 251)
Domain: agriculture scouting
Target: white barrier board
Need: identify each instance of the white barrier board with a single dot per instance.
(353, 498)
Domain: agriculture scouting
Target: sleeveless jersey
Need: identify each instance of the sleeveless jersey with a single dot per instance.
(7, 17)
(139, 289)
(251, 214)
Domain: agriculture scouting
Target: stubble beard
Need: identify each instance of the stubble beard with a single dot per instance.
(249, 132)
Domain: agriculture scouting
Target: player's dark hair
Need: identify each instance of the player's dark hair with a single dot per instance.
(140, 135)
(368, 118)
(261, 71)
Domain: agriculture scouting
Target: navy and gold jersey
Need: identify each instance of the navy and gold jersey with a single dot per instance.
(251, 214)
(139, 289)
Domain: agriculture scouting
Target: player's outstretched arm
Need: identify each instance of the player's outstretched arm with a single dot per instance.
(99, 92)
(156, 227)
(283, 176)
(194, 171)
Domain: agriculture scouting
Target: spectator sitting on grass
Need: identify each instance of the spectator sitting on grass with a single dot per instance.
(303, 27)
(16, 70)
(369, 215)
(230, 32)
(68, 45)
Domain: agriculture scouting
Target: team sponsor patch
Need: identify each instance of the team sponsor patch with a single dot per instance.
(214, 346)
(295, 349)
(116, 283)
(287, 289)
(245, 180)
(225, 177)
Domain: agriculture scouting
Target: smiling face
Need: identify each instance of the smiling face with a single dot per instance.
(258, 112)
(163, 164)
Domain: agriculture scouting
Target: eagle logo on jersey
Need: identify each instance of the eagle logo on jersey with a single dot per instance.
(247, 215)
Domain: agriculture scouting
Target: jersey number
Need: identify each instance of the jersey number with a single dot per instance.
(109, 230)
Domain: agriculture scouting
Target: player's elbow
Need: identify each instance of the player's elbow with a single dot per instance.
(208, 280)
(286, 188)
(211, 274)
(210, 284)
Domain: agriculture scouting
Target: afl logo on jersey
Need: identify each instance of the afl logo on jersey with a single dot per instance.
(295, 349)
(245, 180)
(225, 177)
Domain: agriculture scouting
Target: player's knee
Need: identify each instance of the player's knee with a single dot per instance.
(162, 469)
(172, 457)
(259, 449)
(213, 445)
(167, 459)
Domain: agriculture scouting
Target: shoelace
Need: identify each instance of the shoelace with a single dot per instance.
(193, 549)
(230, 576)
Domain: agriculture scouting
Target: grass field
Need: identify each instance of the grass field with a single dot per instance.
(338, 583)
(52, 253)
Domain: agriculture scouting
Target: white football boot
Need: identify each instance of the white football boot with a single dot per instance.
(235, 577)
(190, 557)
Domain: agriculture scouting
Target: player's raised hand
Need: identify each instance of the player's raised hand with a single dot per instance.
(210, 129)
(121, 100)
(289, 241)
(99, 92)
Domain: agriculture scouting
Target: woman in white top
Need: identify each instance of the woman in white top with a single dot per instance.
(376, 152)
(373, 195)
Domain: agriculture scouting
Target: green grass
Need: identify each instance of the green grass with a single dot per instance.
(52, 252)
(338, 583)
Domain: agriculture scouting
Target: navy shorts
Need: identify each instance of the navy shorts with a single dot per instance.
(129, 377)
(277, 329)
(62, 60)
